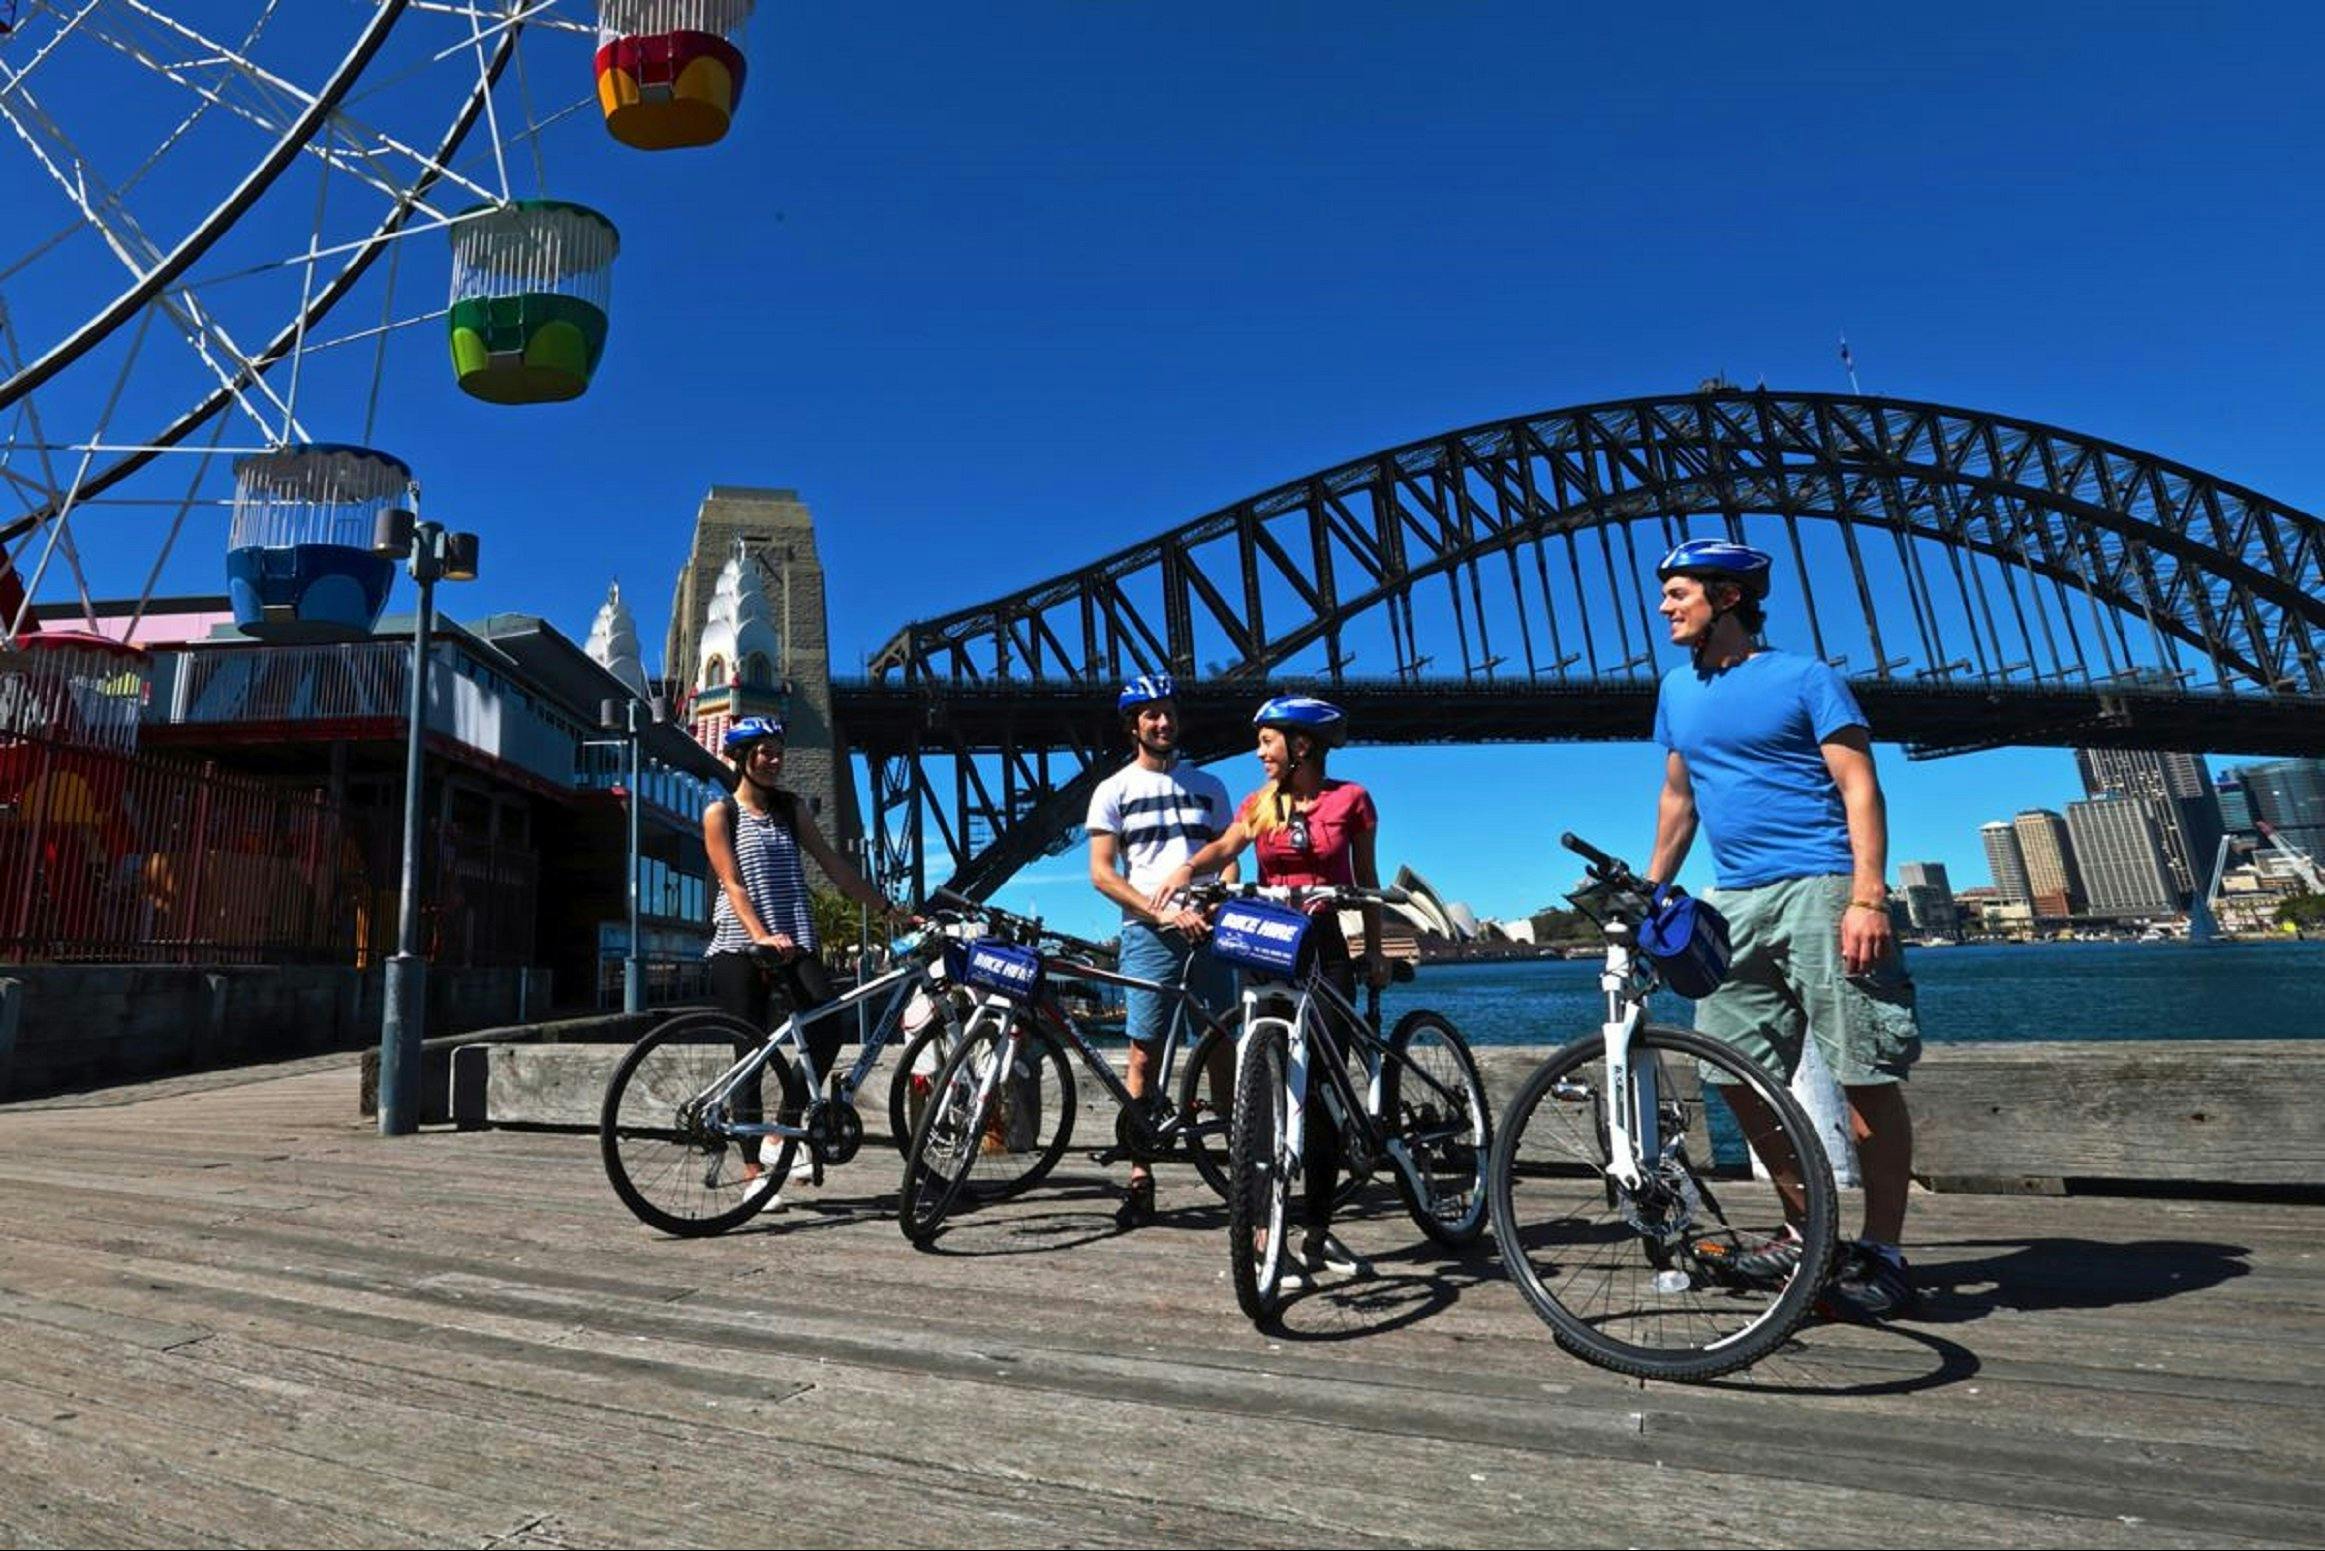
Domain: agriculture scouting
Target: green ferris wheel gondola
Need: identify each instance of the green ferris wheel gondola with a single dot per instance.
(532, 285)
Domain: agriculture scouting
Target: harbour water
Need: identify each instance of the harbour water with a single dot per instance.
(2030, 991)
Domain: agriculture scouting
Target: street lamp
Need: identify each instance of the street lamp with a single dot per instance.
(623, 716)
(431, 554)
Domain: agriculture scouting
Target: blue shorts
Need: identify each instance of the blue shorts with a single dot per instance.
(1153, 954)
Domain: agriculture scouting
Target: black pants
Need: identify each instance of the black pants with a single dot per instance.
(1320, 1142)
(763, 992)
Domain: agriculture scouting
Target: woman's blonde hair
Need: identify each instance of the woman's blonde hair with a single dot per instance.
(1264, 811)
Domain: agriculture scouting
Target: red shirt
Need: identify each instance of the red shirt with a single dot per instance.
(1343, 810)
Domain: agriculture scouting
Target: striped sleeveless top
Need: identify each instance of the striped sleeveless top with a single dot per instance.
(767, 853)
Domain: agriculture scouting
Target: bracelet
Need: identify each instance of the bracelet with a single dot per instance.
(1866, 904)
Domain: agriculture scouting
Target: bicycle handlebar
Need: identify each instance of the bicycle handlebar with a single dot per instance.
(1297, 893)
(1592, 854)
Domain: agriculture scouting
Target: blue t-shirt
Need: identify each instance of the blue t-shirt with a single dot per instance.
(1751, 735)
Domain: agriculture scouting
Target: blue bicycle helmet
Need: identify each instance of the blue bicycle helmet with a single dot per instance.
(750, 730)
(1739, 563)
(1146, 689)
(1319, 719)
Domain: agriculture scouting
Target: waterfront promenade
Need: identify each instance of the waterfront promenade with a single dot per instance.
(234, 1314)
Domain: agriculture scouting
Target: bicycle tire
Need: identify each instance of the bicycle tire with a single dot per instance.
(1203, 1127)
(1044, 1100)
(669, 1168)
(949, 1141)
(923, 1056)
(1602, 1264)
(1259, 1187)
(1453, 1152)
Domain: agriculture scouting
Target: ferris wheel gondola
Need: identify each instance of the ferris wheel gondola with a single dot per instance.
(170, 151)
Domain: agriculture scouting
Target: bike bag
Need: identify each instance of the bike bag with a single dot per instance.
(1014, 973)
(1687, 940)
(1263, 938)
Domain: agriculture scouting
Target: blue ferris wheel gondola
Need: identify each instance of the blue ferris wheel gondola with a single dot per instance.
(299, 563)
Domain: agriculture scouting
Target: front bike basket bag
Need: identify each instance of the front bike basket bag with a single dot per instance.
(1263, 938)
(1004, 971)
(1688, 942)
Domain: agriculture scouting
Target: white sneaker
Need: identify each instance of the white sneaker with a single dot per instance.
(1324, 1252)
(763, 1184)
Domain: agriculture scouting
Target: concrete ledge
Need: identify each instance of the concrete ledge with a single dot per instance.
(78, 1027)
(563, 1086)
(442, 1098)
(1989, 1118)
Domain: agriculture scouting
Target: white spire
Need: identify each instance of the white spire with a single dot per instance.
(613, 642)
(739, 641)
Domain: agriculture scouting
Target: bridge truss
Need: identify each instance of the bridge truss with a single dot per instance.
(1982, 580)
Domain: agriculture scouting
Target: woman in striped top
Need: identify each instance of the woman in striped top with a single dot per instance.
(756, 839)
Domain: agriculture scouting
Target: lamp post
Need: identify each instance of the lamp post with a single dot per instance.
(431, 554)
(624, 716)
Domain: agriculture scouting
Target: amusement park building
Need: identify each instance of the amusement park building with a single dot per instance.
(524, 804)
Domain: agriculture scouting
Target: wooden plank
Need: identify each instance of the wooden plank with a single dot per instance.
(2241, 1112)
(474, 1318)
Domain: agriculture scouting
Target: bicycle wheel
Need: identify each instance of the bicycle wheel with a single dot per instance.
(1033, 1124)
(1668, 1279)
(676, 1167)
(914, 1077)
(1259, 1185)
(1205, 1111)
(955, 1126)
(1433, 1101)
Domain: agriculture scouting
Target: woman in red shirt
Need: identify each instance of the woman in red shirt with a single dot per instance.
(1308, 830)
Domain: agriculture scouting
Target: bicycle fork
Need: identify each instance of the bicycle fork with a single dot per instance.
(1632, 1115)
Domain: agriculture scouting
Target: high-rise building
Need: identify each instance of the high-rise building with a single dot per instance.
(2288, 795)
(2006, 861)
(2119, 843)
(1929, 898)
(2052, 880)
(2235, 803)
(2187, 811)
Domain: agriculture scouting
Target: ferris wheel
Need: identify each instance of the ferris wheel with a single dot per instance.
(230, 224)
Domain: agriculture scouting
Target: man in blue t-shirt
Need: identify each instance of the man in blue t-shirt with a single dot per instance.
(1768, 751)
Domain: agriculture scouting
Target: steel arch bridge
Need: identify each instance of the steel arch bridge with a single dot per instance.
(1983, 580)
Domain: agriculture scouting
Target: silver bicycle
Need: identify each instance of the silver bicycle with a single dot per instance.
(704, 1094)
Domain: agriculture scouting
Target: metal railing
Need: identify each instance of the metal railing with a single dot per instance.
(136, 858)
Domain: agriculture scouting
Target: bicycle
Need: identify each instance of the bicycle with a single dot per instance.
(1603, 1181)
(689, 1100)
(960, 1129)
(1412, 1098)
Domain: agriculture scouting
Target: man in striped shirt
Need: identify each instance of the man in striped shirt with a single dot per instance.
(1146, 819)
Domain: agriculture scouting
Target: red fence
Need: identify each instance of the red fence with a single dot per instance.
(136, 858)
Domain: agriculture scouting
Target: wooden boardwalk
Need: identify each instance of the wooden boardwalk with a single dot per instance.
(231, 1313)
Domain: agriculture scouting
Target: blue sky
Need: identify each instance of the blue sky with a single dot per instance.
(1000, 287)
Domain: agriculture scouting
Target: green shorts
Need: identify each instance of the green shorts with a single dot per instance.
(1785, 983)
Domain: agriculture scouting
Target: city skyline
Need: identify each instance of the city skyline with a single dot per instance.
(2113, 852)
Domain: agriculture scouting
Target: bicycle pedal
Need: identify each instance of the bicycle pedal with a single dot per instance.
(1569, 1091)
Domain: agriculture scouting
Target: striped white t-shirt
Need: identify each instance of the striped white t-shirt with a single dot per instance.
(767, 852)
(1161, 818)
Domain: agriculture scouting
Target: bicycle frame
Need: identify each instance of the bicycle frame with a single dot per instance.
(1186, 1009)
(1318, 1005)
(898, 982)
